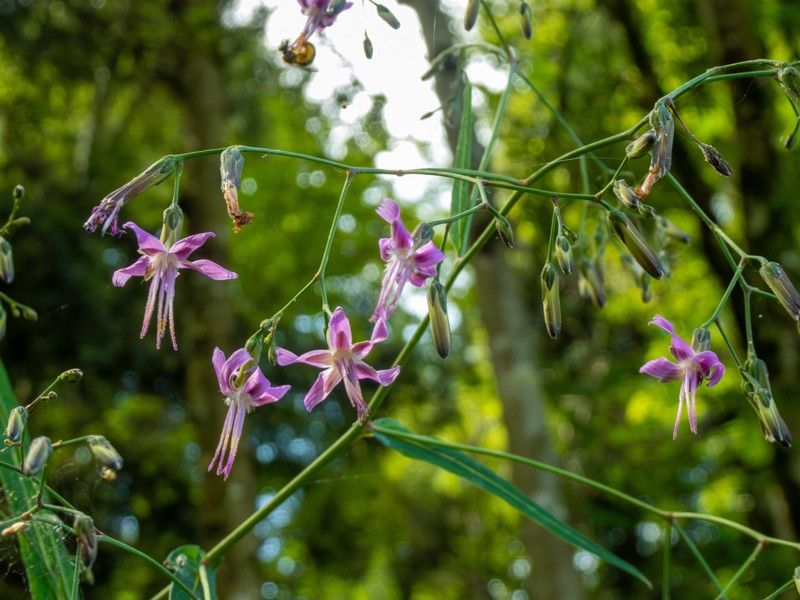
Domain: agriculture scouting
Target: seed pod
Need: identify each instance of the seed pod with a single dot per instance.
(440, 323)
(38, 454)
(775, 277)
(526, 19)
(625, 194)
(714, 158)
(625, 231)
(551, 302)
(17, 419)
(641, 145)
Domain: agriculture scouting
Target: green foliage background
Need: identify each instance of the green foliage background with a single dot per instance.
(93, 92)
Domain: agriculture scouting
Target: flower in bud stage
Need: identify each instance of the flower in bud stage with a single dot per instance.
(590, 282)
(368, 49)
(107, 212)
(564, 255)
(775, 277)
(440, 323)
(87, 539)
(551, 301)
(789, 80)
(701, 340)
(714, 158)
(666, 228)
(664, 126)
(71, 376)
(625, 231)
(505, 231)
(641, 145)
(105, 455)
(625, 194)
(38, 454)
(647, 211)
(692, 368)
(161, 262)
(17, 419)
(6, 261)
(19, 192)
(570, 235)
(758, 391)
(471, 15)
(387, 15)
(526, 19)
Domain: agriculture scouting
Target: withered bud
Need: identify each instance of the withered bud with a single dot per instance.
(19, 192)
(641, 145)
(471, 16)
(775, 277)
(440, 323)
(231, 163)
(590, 282)
(368, 49)
(551, 301)
(663, 124)
(87, 539)
(647, 211)
(38, 454)
(71, 376)
(6, 261)
(701, 340)
(17, 419)
(672, 231)
(625, 231)
(504, 230)
(564, 255)
(387, 15)
(105, 455)
(14, 529)
(526, 19)
(714, 158)
(625, 194)
(789, 80)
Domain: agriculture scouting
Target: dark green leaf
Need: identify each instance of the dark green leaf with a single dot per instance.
(187, 564)
(463, 160)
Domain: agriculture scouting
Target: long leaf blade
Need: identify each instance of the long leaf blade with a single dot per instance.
(465, 467)
(463, 160)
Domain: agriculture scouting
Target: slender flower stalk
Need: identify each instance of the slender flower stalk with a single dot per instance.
(161, 263)
(244, 387)
(409, 259)
(342, 361)
(692, 368)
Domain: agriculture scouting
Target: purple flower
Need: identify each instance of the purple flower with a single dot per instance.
(407, 260)
(161, 264)
(244, 387)
(321, 14)
(342, 360)
(692, 367)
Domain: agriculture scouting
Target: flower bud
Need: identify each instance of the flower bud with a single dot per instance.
(105, 455)
(569, 234)
(423, 233)
(71, 376)
(641, 145)
(6, 261)
(87, 539)
(774, 276)
(789, 80)
(714, 158)
(19, 192)
(564, 256)
(625, 194)
(526, 19)
(38, 454)
(758, 391)
(27, 313)
(440, 323)
(17, 419)
(551, 302)
(647, 211)
(504, 230)
(701, 340)
(388, 16)
(171, 225)
(625, 231)
(368, 49)
(471, 16)
(590, 282)
(667, 228)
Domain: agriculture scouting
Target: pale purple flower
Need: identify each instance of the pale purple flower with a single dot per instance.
(408, 260)
(692, 368)
(321, 14)
(342, 360)
(161, 264)
(244, 387)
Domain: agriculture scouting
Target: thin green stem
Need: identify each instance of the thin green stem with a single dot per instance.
(693, 549)
(326, 253)
(667, 563)
(746, 565)
(726, 295)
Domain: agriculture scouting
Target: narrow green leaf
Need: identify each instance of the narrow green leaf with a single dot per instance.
(462, 465)
(49, 568)
(463, 160)
(187, 564)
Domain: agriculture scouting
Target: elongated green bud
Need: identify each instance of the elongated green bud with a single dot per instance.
(551, 301)
(106, 457)
(647, 211)
(440, 322)
(625, 194)
(38, 454)
(71, 376)
(526, 19)
(471, 16)
(171, 226)
(758, 391)
(625, 231)
(368, 49)
(775, 277)
(16, 425)
(87, 539)
(388, 16)
(504, 230)
(564, 255)
(668, 229)
(789, 80)
(701, 339)
(6, 261)
(590, 282)
(641, 145)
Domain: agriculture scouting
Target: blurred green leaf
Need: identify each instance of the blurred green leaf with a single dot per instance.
(187, 563)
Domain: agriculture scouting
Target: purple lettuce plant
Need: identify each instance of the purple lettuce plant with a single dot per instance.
(342, 360)
(692, 369)
(244, 387)
(161, 264)
(409, 259)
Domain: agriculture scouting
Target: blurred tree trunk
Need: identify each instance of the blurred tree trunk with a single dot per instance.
(508, 320)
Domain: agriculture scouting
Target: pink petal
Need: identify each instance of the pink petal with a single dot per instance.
(428, 256)
(218, 360)
(662, 369)
(339, 335)
(137, 269)
(388, 210)
(148, 243)
(321, 359)
(209, 268)
(184, 247)
(663, 323)
(322, 387)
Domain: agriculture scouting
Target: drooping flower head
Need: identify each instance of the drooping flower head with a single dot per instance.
(342, 360)
(692, 369)
(244, 387)
(408, 259)
(161, 264)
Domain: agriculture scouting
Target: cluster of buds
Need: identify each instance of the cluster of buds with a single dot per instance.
(757, 390)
